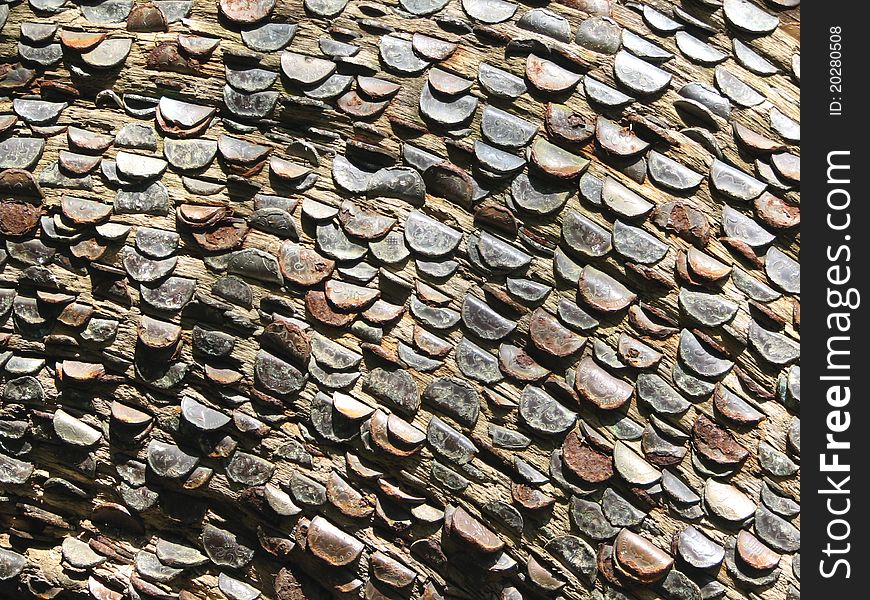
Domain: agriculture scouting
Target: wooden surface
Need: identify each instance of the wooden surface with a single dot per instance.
(294, 123)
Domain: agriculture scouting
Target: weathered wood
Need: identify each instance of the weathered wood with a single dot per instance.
(313, 133)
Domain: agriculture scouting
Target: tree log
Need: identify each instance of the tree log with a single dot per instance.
(101, 363)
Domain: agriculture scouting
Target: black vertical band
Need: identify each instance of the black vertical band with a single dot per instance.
(834, 261)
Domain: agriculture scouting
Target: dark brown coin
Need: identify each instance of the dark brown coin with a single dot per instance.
(584, 460)
(18, 218)
(716, 443)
